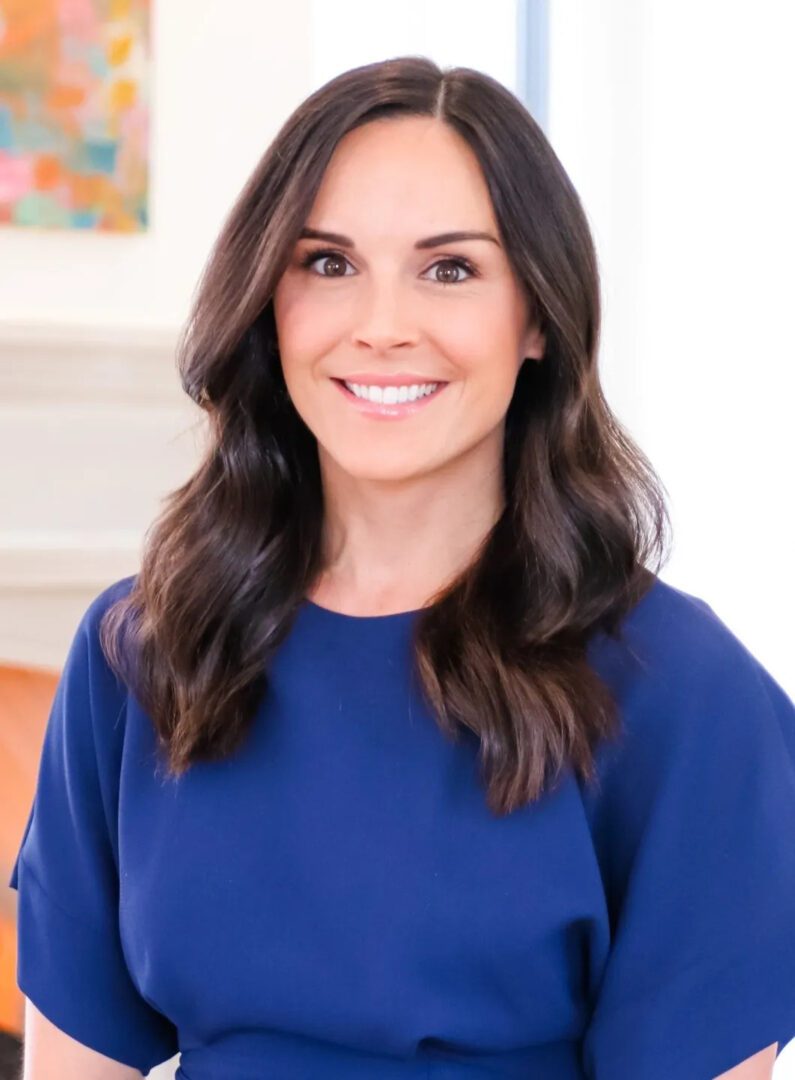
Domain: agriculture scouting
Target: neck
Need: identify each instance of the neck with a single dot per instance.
(394, 544)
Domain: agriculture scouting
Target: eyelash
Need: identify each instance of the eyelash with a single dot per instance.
(313, 256)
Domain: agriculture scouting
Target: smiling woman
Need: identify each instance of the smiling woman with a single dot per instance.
(396, 759)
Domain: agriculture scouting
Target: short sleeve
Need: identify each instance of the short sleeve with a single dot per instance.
(71, 962)
(695, 831)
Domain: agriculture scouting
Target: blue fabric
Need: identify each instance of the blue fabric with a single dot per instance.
(336, 900)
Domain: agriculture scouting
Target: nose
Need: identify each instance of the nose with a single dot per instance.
(383, 320)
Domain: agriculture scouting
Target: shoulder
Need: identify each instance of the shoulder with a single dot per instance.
(86, 642)
(690, 693)
(91, 696)
(675, 650)
(104, 600)
(671, 640)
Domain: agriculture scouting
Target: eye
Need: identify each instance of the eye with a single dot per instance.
(312, 257)
(457, 262)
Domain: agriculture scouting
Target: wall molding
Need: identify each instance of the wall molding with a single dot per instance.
(61, 560)
(42, 363)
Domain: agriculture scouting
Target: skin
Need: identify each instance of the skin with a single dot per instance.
(757, 1067)
(50, 1052)
(406, 502)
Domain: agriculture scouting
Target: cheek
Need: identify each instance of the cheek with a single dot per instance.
(296, 350)
(481, 328)
(286, 314)
(484, 352)
(305, 330)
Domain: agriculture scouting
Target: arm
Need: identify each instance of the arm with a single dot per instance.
(757, 1067)
(49, 1052)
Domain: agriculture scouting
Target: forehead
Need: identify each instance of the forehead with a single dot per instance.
(409, 176)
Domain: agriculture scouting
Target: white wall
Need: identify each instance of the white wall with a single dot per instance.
(717, 302)
(673, 121)
(347, 33)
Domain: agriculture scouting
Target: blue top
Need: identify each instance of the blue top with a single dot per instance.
(336, 900)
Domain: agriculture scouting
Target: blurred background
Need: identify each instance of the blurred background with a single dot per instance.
(671, 118)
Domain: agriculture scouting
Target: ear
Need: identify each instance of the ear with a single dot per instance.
(534, 343)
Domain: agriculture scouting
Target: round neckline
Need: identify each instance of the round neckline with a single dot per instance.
(362, 618)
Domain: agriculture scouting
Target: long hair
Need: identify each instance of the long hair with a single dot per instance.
(237, 548)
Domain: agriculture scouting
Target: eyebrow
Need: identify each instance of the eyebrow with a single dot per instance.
(420, 245)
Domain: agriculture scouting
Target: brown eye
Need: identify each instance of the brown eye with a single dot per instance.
(452, 271)
(334, 258)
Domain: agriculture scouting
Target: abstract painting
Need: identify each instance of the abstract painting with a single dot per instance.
(74, 114)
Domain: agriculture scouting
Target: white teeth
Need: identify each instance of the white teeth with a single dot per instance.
(391, 395)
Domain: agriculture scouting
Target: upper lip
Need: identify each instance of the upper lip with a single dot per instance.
(409, 379)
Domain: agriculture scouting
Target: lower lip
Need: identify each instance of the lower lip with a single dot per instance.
(390, 412)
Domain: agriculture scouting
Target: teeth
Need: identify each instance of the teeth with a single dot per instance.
(391, 395)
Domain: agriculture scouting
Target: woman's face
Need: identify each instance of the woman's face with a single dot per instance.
(372, 303)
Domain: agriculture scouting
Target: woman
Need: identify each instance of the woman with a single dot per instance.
(395, 759)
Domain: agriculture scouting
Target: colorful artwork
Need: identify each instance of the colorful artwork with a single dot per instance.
(74, 114)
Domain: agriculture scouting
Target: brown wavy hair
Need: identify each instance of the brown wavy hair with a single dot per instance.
(237, 548)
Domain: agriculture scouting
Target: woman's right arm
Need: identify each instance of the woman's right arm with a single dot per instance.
(50, 1053)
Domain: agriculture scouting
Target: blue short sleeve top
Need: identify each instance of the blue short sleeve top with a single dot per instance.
(335, 900)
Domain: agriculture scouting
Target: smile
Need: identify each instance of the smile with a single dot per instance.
(389, 410)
